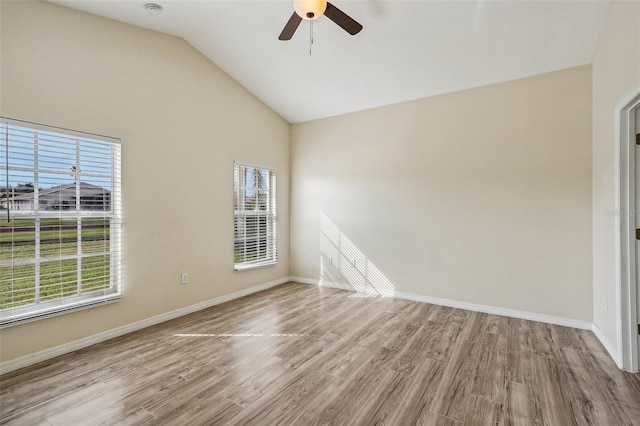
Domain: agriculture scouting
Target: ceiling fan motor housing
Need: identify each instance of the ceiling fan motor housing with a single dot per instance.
(310, 9)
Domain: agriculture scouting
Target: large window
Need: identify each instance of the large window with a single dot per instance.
(254, 208)
(59, 220)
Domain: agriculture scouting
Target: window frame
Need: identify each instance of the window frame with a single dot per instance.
(81, 300)
(270, 214)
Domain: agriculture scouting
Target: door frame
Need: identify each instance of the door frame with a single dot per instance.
(627, 335)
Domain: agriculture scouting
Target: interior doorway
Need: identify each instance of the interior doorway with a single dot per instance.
(629, 236)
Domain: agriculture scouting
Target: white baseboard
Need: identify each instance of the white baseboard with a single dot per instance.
(549, 319)
(43, 355)
(315, 282)
(613, 353)
(30, 359)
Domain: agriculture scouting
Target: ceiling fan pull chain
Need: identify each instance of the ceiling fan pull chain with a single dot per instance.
(310, 36)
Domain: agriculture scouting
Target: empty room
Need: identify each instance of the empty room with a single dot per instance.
(309, 212)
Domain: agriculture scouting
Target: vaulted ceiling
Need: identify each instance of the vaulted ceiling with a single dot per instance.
(407, 49)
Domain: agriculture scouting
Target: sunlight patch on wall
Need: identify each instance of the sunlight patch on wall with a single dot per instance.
(343, 264)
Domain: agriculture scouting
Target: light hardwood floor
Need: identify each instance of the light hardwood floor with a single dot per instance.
(305, 355)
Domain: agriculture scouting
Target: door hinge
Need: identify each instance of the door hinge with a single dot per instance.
(638, 329)
(638, 139)
(637, 234)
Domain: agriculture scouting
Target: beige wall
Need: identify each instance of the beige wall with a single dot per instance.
(182, 122)
(616, 79)
(481, 196)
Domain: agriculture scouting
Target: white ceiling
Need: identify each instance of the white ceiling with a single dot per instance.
(407, 49)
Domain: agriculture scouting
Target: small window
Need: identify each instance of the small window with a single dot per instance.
(254, 206)
(59, 221)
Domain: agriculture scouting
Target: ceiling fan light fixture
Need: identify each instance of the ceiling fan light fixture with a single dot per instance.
(310, 9)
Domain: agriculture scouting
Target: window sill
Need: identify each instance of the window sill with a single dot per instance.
(10, 321)
(248, 266)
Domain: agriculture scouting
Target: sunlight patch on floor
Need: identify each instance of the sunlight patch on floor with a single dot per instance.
(238, 335)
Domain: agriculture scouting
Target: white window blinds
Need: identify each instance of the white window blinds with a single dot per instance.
(60, 220)
(255, 236)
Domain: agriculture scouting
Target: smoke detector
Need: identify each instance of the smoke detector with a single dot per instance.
(153, 8)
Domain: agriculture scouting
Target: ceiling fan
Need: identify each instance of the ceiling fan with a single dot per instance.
(311, 10)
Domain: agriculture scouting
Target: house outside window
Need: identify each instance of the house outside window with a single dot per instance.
(255, 234)
(60, 221)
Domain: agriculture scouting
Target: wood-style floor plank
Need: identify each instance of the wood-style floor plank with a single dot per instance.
(522, 406)
(305, 355)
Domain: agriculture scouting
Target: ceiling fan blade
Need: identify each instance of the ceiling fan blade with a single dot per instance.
(291, 27)
(342, 19)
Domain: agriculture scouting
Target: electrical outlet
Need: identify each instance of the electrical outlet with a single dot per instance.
(184, 278)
